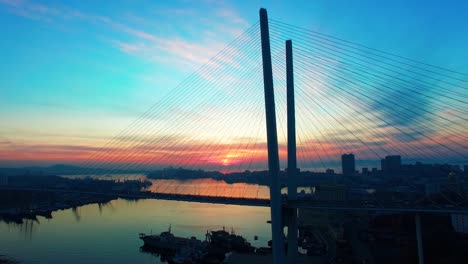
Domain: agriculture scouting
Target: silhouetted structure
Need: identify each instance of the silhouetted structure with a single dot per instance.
(292, 159)
(365, 171)
(272, 142)
(348, 164)
(391, 163)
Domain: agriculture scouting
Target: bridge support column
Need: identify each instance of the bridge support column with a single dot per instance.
(272, 141)
(292, 159)
(417, 219)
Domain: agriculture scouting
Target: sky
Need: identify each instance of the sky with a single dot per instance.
(73, 74)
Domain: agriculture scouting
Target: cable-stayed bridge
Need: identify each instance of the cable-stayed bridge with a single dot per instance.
(319, 97)
(349, 98)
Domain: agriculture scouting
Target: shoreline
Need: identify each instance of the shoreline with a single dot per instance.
(17, 215)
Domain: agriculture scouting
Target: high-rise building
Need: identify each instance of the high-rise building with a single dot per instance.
(348, 164)
(391, 163)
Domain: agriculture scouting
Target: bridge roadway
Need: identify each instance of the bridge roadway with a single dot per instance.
(301, 202)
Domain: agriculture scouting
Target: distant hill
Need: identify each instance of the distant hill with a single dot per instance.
(304, 178)
(57, 169)
(60, 169)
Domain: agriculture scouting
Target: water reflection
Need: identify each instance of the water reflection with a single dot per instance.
(217, 188)
(119, 177)
(28, 228)
(205, 187)
(108, 233)
(76, 213)
(209, 187)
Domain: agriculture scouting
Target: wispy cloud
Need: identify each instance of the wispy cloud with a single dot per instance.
(40, 12)
(172, 11)
(173, 50)
(5, 142)
(131, 35)
(230, 15)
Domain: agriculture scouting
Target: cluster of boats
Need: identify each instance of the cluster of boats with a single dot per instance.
(178, 250)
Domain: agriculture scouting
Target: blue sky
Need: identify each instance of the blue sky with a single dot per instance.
(80, 71)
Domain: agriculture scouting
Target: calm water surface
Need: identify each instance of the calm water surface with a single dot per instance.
(206, 186)
(109, 233)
